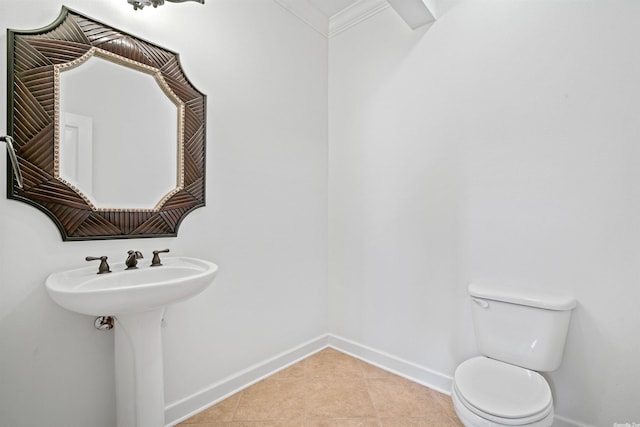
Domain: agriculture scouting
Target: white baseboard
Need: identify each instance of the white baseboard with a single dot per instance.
(560, 421)
(388, 362)
(179, 411)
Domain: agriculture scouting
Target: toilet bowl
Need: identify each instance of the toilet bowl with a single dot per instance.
(490, 393)
(518, 333)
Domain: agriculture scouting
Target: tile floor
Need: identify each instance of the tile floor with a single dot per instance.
(331, 389)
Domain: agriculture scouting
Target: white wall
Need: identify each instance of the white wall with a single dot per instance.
(502, 144)
(265, 74)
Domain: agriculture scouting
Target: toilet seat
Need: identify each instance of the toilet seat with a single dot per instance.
(502, 393)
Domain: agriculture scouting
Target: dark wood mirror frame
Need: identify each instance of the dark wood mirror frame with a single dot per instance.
(33, 58)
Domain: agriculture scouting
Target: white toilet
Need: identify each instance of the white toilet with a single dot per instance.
(517, 334)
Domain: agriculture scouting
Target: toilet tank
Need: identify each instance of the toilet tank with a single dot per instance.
(524, 328)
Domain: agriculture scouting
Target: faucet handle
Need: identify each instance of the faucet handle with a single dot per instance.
(155, 262)
(132, 259)
(104, 267)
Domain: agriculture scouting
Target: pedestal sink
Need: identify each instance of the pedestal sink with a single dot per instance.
(137, 299)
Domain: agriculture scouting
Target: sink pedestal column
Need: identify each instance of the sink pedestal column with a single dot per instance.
(138, 369)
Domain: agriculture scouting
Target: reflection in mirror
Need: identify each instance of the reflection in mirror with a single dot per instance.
(141, 174)
(108, 131)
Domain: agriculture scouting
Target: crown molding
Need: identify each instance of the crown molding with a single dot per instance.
(308, 14)
(330, 26)
(354, 14)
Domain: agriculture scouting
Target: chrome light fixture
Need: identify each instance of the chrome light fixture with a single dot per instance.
(139, 4)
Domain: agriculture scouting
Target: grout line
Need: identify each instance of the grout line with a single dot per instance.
(235, 410)
(373, 404)
(305, 415)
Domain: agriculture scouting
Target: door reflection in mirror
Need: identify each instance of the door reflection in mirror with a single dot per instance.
(118, 135)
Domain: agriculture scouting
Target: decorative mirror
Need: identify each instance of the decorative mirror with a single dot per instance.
(109, 132)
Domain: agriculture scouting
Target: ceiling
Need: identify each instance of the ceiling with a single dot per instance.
(330, 17)
(331, 7)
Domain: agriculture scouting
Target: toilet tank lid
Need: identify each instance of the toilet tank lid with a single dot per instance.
(549, 300)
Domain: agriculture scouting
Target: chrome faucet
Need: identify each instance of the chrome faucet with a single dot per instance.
(132, 259)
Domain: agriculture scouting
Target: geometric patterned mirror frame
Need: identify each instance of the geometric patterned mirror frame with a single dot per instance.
(34, 61)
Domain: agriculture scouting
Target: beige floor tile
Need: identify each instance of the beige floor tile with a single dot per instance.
(331, 389)
(330, 363)
(272, 400)
(275, 423)
(445, 402)
(370, 371)
(219, 412)
(212, 424)
(436, 420)
(397, 397)
(338, 398)
(293, 372)
(342, 422)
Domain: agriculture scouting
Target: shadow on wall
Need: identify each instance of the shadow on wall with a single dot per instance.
(583, 334)
(462, 342)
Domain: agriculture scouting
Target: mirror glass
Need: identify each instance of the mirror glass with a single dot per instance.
(118, 140)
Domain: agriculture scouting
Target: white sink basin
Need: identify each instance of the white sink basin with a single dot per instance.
(126, 291)
(137, 300)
